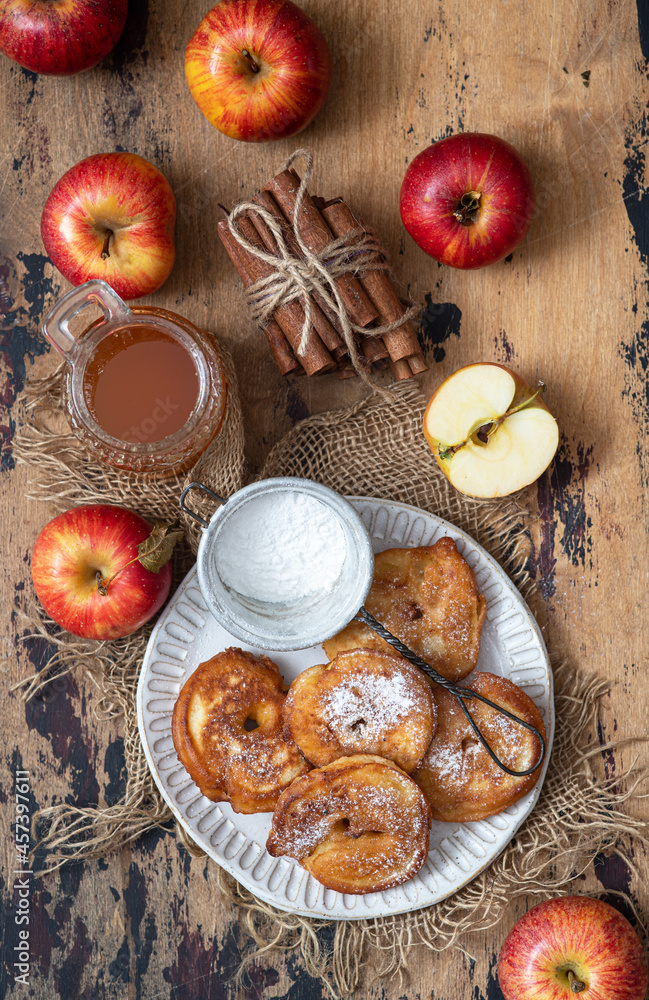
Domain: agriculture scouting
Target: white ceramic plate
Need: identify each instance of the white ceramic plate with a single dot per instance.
(186, 635)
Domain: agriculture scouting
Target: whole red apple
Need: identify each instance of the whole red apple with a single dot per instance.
(572, 945)
(467, 200)
(60, 37)
(258, 69)
(112, 216)
(87, 573)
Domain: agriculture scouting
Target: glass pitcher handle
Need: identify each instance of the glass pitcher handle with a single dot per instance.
(56, 326)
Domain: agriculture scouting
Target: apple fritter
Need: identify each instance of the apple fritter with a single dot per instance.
(357, 825)
(364, 701)
(227, 731)
(428, 598)
(458, 777)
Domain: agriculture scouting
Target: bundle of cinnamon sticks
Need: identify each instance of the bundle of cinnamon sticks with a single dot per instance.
(368, 296)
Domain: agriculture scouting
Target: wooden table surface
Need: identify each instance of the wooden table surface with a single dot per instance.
(565, 82)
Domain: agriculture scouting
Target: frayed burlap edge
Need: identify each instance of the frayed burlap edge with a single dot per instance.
(65, 475)
(372, 448)
(73, 832)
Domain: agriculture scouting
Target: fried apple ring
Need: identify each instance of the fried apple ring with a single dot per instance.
(428, 598)
(364, 701)
(458, 777)
(357, 825)
(227, 731)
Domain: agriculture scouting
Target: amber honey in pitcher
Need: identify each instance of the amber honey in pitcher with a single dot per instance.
(144, 389)
(140, 385)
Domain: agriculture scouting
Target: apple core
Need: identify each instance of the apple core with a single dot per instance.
(468, 208)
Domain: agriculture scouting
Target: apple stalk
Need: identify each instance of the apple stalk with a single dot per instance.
(253, 65)
(105, 252)
(576, 985)
(153, 553)
(485, 431)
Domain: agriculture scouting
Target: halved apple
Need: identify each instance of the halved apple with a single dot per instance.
(490, 431)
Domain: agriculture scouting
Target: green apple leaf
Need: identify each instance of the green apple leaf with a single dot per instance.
(155, 551)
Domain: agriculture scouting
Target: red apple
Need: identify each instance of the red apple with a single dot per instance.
(258, 69)
(467, 200)
(112, 216)
(87, 573)
(60, 37)
(572, 945)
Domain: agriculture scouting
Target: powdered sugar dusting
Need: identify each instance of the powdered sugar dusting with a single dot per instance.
(457, 757)
(366, 709)
(356, 813)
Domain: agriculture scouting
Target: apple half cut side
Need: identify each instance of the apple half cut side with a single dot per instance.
(490, 432)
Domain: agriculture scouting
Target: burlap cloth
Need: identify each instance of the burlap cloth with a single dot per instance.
(373, 448)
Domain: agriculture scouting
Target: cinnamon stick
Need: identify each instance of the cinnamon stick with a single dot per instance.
(418, 364)
(401, 369)
(265, 200)
(402, 342)
(373, 349)
(290, 317)
(326, 331)
(279, 345)
(317, 235)
(347, 370)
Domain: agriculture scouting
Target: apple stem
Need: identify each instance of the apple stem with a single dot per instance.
(576, 985)
(485, 432)
(468, 208)
(105, 251)
(104, 584)
(526, 402)
(253, 65)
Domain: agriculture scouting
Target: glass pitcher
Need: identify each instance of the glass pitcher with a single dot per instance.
(143, 388)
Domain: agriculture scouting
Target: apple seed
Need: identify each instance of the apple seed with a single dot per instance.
(484, 431)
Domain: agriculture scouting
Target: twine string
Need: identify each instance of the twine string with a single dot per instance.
(299, 278)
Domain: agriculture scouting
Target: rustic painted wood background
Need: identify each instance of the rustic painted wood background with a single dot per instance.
(567, 84)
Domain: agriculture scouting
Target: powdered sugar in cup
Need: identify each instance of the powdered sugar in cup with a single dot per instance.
(284, 563)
